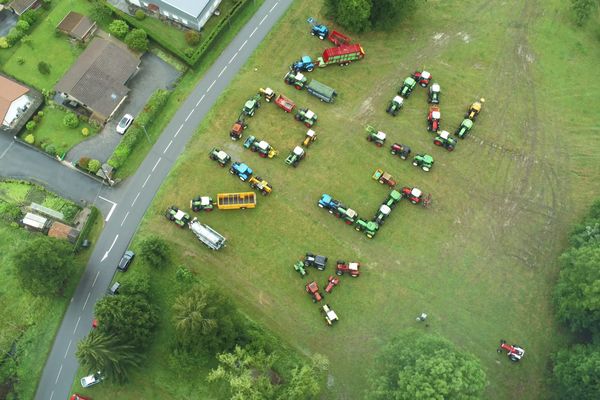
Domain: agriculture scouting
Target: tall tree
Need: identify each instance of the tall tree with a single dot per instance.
(353, 14)
(577, 293)
(190, 314)
(43, 265)
(155, 251)
(306, 380)
(577, 371)
(416, 366)
(101, 352)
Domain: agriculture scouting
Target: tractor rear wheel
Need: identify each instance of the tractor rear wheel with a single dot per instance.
(340, 273)
(426, 169)
(437, 142)
(450, 148)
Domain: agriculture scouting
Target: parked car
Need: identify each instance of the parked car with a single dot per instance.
(76, 396)
(124, 123)
(126, 260)
(114, 289)
(91, 380)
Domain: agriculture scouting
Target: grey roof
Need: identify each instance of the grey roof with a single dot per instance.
(190, 7)
(20, 6)
(97, 79)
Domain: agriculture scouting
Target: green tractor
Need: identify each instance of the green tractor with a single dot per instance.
(407, 87)
(295, 79)
(295, 156)
(464, 128)
(178, 216)
(375, 136)
(202, 203)
(251, 105)
(370, 228)
(393, 198)
(444, 140)
(299, 267)
(395, 106)
(347, 214)
(306, 116)
(424, 161)
(261, 147)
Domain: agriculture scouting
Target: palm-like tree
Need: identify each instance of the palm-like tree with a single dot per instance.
(190, 314)
(101, 352)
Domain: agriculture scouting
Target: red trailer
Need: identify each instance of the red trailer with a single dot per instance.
(342, 55)
(284, 103)
(338, 38)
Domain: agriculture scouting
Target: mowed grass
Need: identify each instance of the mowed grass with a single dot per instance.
(481, 261)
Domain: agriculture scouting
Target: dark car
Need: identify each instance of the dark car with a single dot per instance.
(126, 260)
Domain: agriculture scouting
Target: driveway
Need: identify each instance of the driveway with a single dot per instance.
(7, 21)
(154, 74)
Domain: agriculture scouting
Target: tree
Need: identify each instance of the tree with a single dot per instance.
(583, 9)
(83, 162)
(191, 314)
(351, 14)
(386, 13)
(247, 374)
(44, 68)
(155, 251)
(587, 232)
(577, 371)
(101, 352)
(137, 39)
(94, 166)
(577, 292)
(425, 366)
(100, 13)
(71, 120)
(43, 265)
(119, 28)
(305, 382)
(22, 25)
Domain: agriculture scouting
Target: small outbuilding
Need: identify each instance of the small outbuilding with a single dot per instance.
(77, 26)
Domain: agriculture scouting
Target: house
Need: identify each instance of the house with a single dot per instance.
(20, 6)
(192, 14)
(77, 26)
(97, 80)
(17, 103)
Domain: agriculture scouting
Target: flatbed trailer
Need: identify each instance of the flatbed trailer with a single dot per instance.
(284, 103)
(236, 201)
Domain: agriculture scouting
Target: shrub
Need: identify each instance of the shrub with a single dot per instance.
(30, 139)
(155, 251)
(85, 131)
(137, 39)
(46, 4)
(140, 15)
(4, 43)
(22, 25)
(30, 125)
(192, 37)
(20, 60)
(100, 13)
(30, 16)
(189, 52)
(40, 114)
(44, 68)
(94, 166)
(50, 149)
(119, 28)
(71, 120)
(83, 162)
(14, 35)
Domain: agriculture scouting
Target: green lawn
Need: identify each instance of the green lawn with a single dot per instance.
(481, 261)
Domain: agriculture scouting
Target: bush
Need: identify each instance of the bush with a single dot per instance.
(94, 166)
(46, 4)
(155, 251)
(30, 139)
(192, 37)
(83, 162)
(137, 40)
(9, 212)
(50, 149)
(31, 125)
(44, 68)
(30, 16)
(4, 43)
(14, 35)
(140, 15)
(119, 28)
(100, 13)
(85, 132)
(22, 25)
(71, 120)
(189, 52)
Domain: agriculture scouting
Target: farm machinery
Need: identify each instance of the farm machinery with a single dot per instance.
(514, 352)
(268, 93)
(258, 183)
(236, 201)
(319, 30)
(237, 129)
(434, 94)
(370, 228)
(384, 178)
(352, 268)
(341, 55)
(312, 260)
(443, 139)
(330, 315)
(241, 170)
(251, 105)
(347, 214)
(332, 282)
(261, 147)
(299, 268)
(393, 198)
(310, 137)
(422, 78)
(407, 87)
(179, 217)
(202, 203)
(474, 109)
(433, 118)
(382, 213)
(219, 156)
(306, 116)
(295, 156)
(400, 150)
(464, 128)
(423, 161)
(375, 136)
(304, 64)
(312, 288)
(329, 203)
(415, 196)
(395, 105)
(295, 79)
(284, 103)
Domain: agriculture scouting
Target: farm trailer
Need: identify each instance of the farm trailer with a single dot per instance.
(236, 201)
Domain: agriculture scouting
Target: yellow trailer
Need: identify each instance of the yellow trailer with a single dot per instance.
(236, 201)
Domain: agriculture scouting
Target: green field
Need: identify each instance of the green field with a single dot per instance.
(480, 261)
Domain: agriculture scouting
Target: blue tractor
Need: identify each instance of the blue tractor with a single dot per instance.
(319, 30)
(241, 170)
(305, 64)
(329, 203)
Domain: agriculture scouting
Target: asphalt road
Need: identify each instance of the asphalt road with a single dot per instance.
(133, 198)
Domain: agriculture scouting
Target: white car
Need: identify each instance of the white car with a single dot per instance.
(91, 380)
(124, 123)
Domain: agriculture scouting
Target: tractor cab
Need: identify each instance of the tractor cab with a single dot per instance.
(434, 93)
(444, 140)
(475, 109)
(399, 100)
(350, 216)
(330, 315)
(268, 93)
(317, 261)
(311, 136)
(222, 157)
(394, 198)
(304, 64)
(263, 148)
(435, 88)
(434, 118)
(241, 170)
(380, 136)
(401, 150)
(444, 134)
(251, 105)
(332, 282)
(383, 212)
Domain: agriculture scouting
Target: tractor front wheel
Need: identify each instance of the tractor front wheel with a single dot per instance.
(378, 144)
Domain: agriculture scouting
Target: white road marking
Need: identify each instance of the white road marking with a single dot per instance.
(122, 222)
(177, 133)
(51, 395)
(190, 114)
(76, 325)
(68, 347)
(253, 32)
(155, 165)
(134, 200)
(111, 246)
(223, 70)
(111, 209)
(57, 376)
(97, 273)
(274, 5)
(6, 150)
(86, 300)
(200, 101)
(242, 46)
(211, 85)
(146, 181)
(230, 60)
(167, 148)
(262, 20)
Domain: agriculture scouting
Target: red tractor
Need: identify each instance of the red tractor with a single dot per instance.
(331, 283)
(237, 130)
(514, 352)
(312, 288)
(433, 118)
(353, 268)
(413, 195)
(403, 151)
(422, 77)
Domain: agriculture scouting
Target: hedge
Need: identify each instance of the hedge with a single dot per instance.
(136, 131)
(87, 228)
